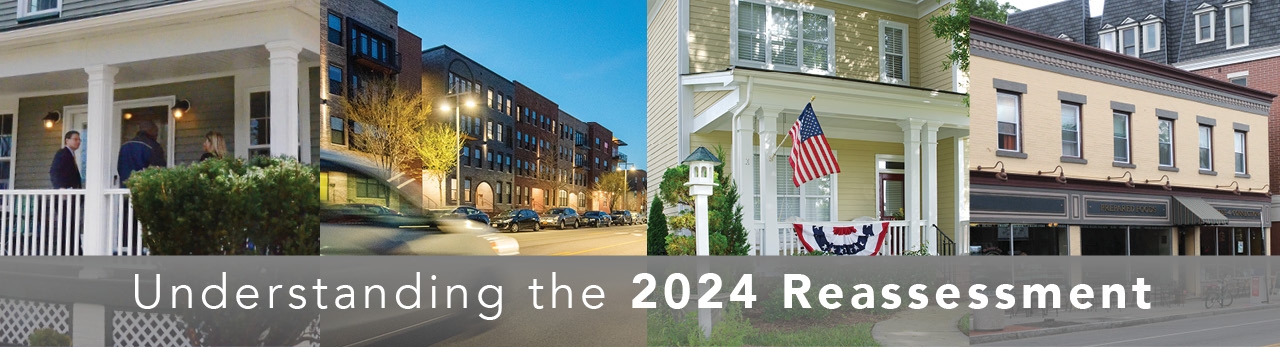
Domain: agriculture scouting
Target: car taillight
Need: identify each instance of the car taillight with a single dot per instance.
(494, 245)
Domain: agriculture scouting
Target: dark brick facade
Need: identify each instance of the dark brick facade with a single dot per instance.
(536, 117)
(489, 125)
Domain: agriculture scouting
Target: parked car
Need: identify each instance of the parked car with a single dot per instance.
(466, 212)
(623, 217)
(561, 217)
(597, 218)
(367, 214)
(516, 220)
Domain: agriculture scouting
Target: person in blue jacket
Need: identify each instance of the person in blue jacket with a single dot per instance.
(64, 173)
(141, 152)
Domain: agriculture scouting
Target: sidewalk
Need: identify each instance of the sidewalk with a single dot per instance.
(1052, 322)
(932, 326)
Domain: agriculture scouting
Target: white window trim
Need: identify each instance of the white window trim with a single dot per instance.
(785, 152)
(882, 158)
(1128, 138)
(1079, 137)
(1173, 154)
(248, 111)
(13, 147)
(1242, 149)
(1017, 123)
(1137, 39)
(1152, 46)
(1198, 134)
(1115, 39)
(24, 4)
(1227, 11)
(906, 52)
(768, 54)
(1213, 18)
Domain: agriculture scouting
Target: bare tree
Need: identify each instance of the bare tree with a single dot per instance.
(388, 120)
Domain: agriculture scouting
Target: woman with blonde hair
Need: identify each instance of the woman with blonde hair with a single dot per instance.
(214, 146)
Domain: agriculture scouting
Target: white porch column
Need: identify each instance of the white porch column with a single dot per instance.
(768, 180)
(102, 82)
(284, 97)
(930, 168)
(304, 114)
(743, 149)
(911, 200)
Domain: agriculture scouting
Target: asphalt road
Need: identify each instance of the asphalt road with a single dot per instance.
(1254, 328)
(614, 240)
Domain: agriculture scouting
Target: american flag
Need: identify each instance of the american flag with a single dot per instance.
(811, 155)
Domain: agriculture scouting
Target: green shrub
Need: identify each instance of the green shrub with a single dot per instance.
(229, 206)
(681, 245)
(732, 330)
(683, 221)
(657, 230)
(48, 338)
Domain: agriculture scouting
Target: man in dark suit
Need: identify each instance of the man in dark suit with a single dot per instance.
(64, 172)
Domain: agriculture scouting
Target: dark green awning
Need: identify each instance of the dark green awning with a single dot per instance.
(1195, 211)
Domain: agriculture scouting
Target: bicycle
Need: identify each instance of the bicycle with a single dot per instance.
(1218, 293)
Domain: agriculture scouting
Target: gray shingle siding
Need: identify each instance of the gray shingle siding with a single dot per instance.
(74, 10)
(1178, 25)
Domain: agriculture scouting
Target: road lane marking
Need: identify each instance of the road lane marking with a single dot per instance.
(398, 331)
(1186, 332)
(596, 249)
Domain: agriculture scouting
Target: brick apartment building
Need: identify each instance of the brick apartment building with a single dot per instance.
(488, 156)
(536, 118)
(1227, 40)
(362, 41)
(573, 141)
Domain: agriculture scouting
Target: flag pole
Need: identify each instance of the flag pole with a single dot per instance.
(784, 138)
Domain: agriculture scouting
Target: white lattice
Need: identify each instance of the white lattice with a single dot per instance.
(18, 318)
(142, 329)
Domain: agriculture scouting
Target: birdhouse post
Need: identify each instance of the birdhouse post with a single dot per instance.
(701, 183)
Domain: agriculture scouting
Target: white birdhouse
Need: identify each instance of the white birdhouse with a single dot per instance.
(701, 171)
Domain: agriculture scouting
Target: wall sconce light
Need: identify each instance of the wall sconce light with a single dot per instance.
(1233, 183)
(1164, 178)
(51, 118)
(1062, 174)
(128, 116)
(181, 107)
(1263, 189)
(1000, 175)
(1128, 183)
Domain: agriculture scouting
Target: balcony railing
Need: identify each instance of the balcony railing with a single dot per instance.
(52, 223)
(896, 242)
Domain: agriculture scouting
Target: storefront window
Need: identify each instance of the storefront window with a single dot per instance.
(1026, 239)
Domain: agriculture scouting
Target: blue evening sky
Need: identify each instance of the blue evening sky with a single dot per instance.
(586, 56)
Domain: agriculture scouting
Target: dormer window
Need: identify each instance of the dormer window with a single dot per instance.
(1151, 29)
(1237, 23)
(1129, 41)
(1064, 37)
(39, 8)
(783, 36)
(1107, 38)
(1205, 20)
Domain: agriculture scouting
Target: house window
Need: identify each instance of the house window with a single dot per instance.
(337, 131)
(39, 7)
(1241, 166)
(369, 188)
(783, 36)
(893, 47)
(1151, 37)
(509, 193)
(1120, 135)
(1243, 80)
(1107, 40)
(335, 29)
(890, 188)
(1238, 26)
(1129, 41)
(1071, 130)
(1165, 142)
(812, 201)
(466, 190)
(564, 198)
(259, 123)
(493, 103)
(6, 151)
(1204, 26)
(1008, 116)
(335, 80)
(466, 156)
(1206, 147)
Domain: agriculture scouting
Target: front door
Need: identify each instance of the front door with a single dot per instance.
(127, 114)
(78, 120)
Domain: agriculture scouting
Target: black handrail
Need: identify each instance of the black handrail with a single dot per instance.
(946, 246)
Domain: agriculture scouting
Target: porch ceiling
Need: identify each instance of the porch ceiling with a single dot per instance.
(142, 72)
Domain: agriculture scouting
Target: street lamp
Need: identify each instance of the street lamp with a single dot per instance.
(626, 181)
(457, 126)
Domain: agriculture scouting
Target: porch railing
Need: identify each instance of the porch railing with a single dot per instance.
(51, 223)
(895, 243)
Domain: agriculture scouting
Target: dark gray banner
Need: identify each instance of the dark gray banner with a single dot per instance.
(634, 301)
